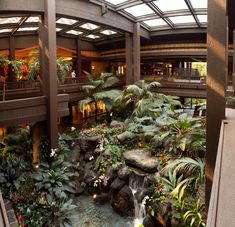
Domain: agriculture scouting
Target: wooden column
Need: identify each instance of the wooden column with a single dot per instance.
(41, 43)
(79, 59)
(136, 52)
(233, 79)
(129, 70)
(11, 75)
(50, 71)
(216, 80)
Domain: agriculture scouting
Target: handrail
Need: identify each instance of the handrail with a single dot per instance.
(222, 206)
(4, 219)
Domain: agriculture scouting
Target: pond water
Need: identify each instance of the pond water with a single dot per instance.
(93, 215)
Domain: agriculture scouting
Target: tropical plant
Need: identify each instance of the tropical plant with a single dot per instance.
(55, 179)
(12, 173)
(188, 167)
(63, 67)
(19, 142)
(182, 134)
(142, 99)
(61, 213)
(193, 217)
(96, 91)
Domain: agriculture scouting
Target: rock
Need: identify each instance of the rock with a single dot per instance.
(89, 156)
(141, 160)
(89, 143)
(117, 185)
(89, 177)
(111, 174)
(122, 202)
(101, 198)
(149, 222)
(123, 173)
(117, 124)
(126, 136)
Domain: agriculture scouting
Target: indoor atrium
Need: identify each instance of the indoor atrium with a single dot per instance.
(117, 113)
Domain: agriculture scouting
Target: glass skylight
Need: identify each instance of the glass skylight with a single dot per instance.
(89, 26)
(182, 19)
(139, 10)
(67, 21)
(108, 32)
(199, 4)
(5, 30)
(92, 36)
(32, 20)
(116, 2)
(74, 32)
(155, 22)
(202, 18)
(27, 29)
(170, 5)
(10, 20)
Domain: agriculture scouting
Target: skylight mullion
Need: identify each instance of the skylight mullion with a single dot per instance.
(128, 4)
(23, 19)
(191, 10)
(158, 12)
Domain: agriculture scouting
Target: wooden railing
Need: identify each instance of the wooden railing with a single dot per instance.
(222, 205)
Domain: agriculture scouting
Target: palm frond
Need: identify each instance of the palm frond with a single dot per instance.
(187, 166)
(84, 102)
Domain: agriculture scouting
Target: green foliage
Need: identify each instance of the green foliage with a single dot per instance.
(12, 173)
(63, 69)
(96, 91)
(142, 99)
(180, 134)
(55, 179)
(201, 67)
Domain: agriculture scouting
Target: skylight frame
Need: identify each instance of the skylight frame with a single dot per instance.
(66, 21)
(180, 20)
(74, 32)
(195, 4)
(108, 32)
(171, 5)
(5, 30)
(34, 19)
(89, 26)
(155, 23)
(92, 36)
(10, 20)
(116, 2)
(27, 29)
(139, 10)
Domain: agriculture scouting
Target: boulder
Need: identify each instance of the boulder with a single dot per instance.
(141, 160)
(89, 143)
(123, 173)
(116, 185)
(123, 203)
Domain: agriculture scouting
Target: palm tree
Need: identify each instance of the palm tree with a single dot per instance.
(96, 91)
(141, 98)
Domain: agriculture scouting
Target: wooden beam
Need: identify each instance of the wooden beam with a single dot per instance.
(216, 81)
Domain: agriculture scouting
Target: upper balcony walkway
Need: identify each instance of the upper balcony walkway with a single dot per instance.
(222, 202)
